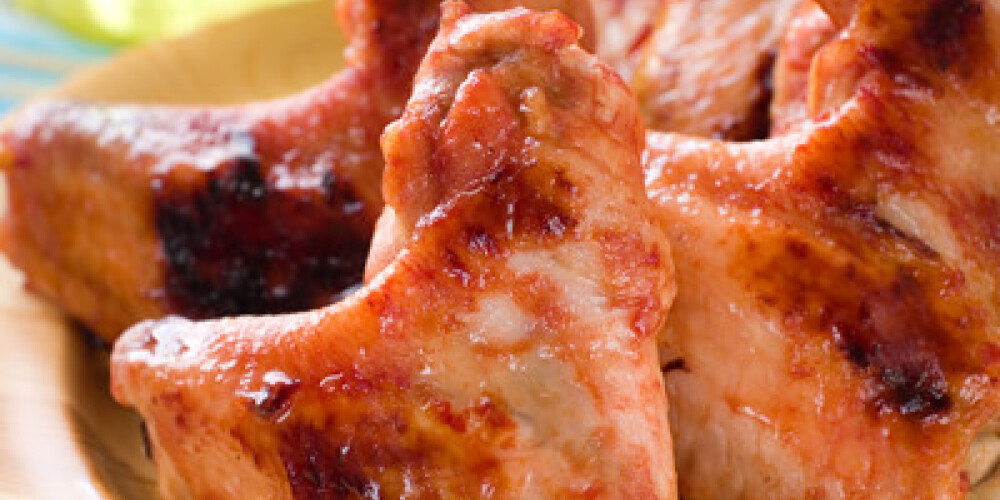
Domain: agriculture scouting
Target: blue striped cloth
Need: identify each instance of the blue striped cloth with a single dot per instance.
(35, 55)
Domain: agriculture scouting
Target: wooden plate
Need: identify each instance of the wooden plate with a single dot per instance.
(61, 435)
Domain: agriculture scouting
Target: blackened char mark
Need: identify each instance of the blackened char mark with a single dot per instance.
(236, 243)
(385, 454)
(889, 336)
(512, 206)
(273, 399)
(954, 32)
(889, 320)
(675, 365)
(320, 470)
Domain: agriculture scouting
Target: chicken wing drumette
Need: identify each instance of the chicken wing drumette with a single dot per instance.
(836, 333)
(508, 349)
(124, 213)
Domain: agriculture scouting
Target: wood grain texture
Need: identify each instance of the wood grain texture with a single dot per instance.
(61, 435)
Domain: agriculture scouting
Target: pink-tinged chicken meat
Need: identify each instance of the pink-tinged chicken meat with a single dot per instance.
(509, 348)
(809, 30)
(836, 333)
(623, 30)
(124, 213)
(706, 70)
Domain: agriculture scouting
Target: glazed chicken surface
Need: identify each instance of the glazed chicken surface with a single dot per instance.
(706, 70)
(125, 213)
(508, 350)
(835, 334)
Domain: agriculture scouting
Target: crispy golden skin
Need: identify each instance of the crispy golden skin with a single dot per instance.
(706, 70)
(507, 351)
(125, 213)
(836, 332)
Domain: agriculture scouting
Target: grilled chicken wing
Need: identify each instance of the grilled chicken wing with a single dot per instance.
(125, 213)
(836, 333)
(706, 71)
(508, 351)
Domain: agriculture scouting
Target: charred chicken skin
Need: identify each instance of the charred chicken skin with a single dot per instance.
(125, 213)
(836, 333)
(509, 348)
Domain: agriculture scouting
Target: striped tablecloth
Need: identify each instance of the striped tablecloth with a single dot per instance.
(35, 55)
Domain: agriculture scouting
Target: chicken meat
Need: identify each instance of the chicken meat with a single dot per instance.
(508, 350)
(706, 70)
(836, 333)
(809, 30)
(624, 30)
